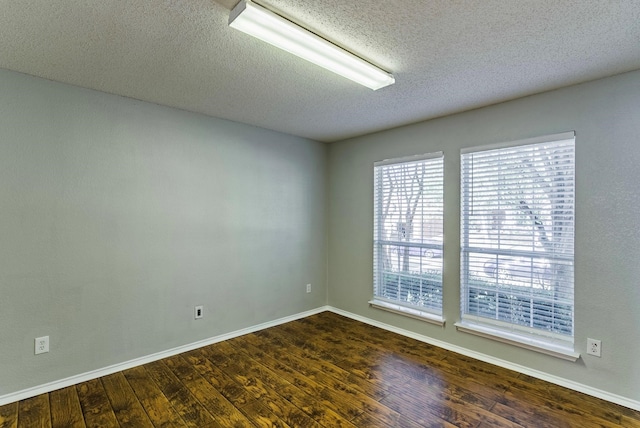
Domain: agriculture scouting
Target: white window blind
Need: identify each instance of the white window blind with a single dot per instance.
(408, 228)
(517, 232)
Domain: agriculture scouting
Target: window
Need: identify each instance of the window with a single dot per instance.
(517, 228)
(408, 236)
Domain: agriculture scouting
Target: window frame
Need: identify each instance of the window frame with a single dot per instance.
(530, 337)
(427, 314)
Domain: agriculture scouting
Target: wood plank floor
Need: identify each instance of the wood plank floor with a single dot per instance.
(321, 371)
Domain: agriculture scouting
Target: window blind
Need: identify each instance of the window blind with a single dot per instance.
(517, 234)
(408, 228)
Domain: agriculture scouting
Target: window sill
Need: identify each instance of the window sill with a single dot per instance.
(522, 341)
(408, 312)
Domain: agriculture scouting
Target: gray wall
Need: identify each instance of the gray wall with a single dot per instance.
(606, 117)
(118, 216)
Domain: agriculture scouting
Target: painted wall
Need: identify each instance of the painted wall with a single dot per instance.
(118, 216)
(606, 117)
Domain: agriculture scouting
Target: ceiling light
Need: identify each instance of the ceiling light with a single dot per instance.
(269, 27)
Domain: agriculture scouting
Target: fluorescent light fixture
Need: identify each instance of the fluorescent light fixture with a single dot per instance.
(269, 27)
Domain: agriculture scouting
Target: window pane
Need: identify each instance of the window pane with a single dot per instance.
(408, 232)
(517, 228)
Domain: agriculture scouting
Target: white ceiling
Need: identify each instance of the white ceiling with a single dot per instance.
(447, 55)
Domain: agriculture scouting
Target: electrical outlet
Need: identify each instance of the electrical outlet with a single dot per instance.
(198, 312)
(594, 347)
(42, 345)
(308, 288)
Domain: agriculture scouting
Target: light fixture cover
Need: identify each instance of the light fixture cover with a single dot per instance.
(270, 27)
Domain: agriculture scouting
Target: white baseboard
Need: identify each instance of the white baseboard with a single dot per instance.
(598, 393)
(83, 377)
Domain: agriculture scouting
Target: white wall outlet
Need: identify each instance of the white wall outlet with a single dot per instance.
(198, 312)
(308, 288)
(594, 347)
(42, 345)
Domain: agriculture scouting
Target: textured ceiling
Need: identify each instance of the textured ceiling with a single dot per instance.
(447, 55)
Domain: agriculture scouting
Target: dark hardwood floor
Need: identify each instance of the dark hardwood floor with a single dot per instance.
(321, 371)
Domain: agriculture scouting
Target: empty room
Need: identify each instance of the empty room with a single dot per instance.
(278, 213)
